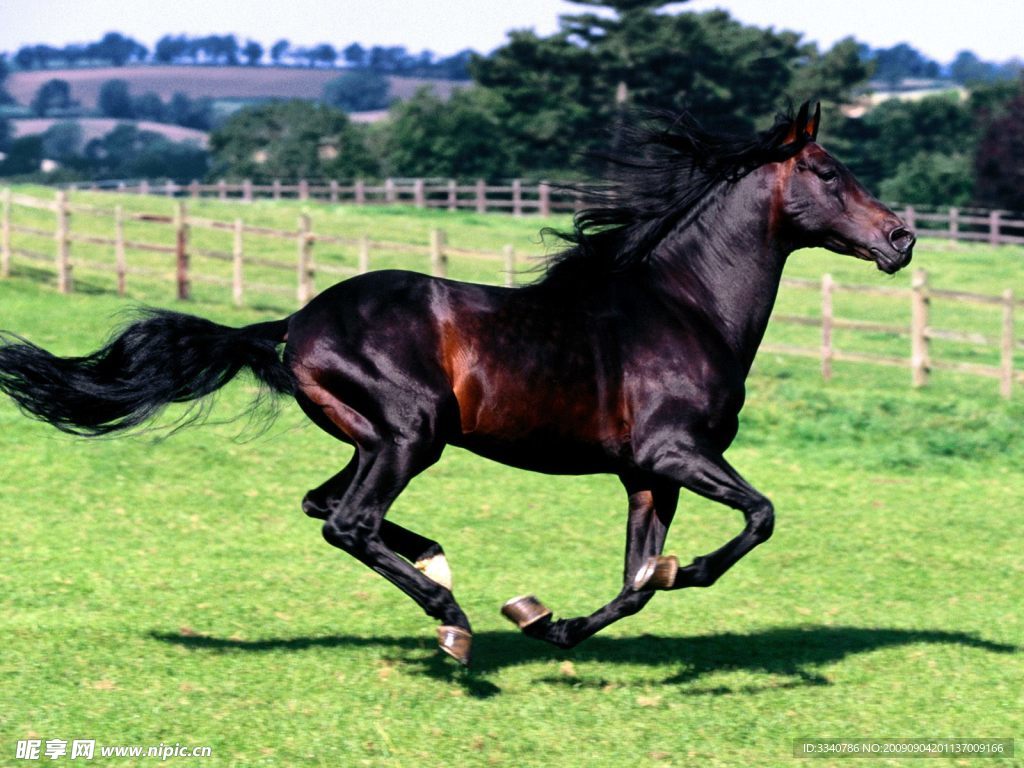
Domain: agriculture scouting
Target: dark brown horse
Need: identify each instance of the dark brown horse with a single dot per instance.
(628, 357)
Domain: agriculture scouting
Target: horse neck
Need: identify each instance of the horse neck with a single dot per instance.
(724, 261)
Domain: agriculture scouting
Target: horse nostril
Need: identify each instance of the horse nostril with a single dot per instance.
(902, 239)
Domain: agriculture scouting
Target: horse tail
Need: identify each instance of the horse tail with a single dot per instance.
(163, 357)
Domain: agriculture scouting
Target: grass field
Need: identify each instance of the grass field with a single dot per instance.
(167, 589)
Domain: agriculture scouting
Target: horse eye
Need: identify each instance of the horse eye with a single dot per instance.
(828, 175)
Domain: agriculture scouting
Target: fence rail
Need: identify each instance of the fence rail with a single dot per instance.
(187, 261)
(173, 237)
(521, 197)
(518, 197)
(921, 360)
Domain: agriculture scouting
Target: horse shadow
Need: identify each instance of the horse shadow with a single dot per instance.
(796, 653)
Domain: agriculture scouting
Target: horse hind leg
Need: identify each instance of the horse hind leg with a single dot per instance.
(355, 525)
(651, 509)
(425, 554)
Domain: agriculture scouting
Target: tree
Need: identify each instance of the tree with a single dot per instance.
(115, 99)
(427, 136)
(279, 50)
(931, 178)
(355, 55)
(323, 53)
(117, 49)
(62, 141)
(253, 52)
(555, 93)
(149, 106)
(52, 95)
(190, 113)
(830, 77)
(895, 131)
(23, 156)
(291, 139)
(170, 49)
(999, 160)
(901, 62)
(358, 91)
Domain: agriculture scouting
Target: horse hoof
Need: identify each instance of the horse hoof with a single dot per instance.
(525, 610)
(456, 642)
(659, 572)
(436, 569)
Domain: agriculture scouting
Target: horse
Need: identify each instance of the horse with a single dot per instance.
(628, 355)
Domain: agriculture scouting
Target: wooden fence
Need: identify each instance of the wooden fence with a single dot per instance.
(920, 332)
(543, 198)
(516, 197)
(176, 244)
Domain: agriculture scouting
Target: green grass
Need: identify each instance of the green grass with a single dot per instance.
(166, 588)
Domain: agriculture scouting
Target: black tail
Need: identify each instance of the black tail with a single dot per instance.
(166, 357)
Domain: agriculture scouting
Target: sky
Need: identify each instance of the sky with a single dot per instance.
(994, 29)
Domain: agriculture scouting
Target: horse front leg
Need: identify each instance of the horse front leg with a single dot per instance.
(711, 476)
(651, 508)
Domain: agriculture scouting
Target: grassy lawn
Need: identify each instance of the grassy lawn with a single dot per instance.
(167, 588)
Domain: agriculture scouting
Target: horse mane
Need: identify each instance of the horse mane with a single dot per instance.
(669, 165)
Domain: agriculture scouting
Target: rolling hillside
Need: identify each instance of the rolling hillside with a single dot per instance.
(228, 83)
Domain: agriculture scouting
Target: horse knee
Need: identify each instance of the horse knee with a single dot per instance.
(761, 520)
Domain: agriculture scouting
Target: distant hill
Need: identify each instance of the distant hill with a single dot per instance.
(96, 127)
(224, 83)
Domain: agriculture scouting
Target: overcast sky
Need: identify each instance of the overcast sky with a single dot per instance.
(994, 29)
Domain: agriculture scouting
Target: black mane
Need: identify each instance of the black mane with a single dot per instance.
(669, 166)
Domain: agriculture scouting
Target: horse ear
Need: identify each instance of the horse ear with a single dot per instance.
(798, 127)
(812, 125)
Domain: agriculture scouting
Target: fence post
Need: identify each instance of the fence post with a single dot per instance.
(334, 191)
(364, 254)
(303, 189)
(419, 193)
(517, 197)
(438, 259)
(169, 188)
(481, 196)
(954, 223)
(827, 290)
(360, 192)
(181, 250)
(237, 265)
(65, 280)
(453, 195)
(510, 265)
(919, 358)
(910, 218)
(222, 190)
(390, 195)
(544, 194)
(994, 235)
(1008, 343)
(5, 233)
(247, 190)
(119, 255)
(193, 189)
(144, 187)
(277, 189)
(305, 252)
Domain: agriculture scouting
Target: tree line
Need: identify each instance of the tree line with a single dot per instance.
(550, 106)
(116, 49)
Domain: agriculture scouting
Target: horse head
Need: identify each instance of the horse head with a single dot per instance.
(818, 202)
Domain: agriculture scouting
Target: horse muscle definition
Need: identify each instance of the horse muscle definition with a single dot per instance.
(628, 356)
